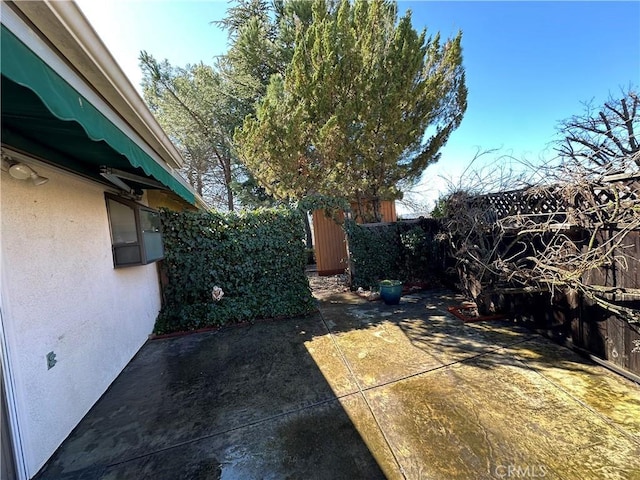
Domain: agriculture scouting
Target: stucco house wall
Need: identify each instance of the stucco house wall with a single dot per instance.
(62, 294)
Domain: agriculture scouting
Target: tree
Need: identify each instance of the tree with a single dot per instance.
(261, 40)
(604, 139)
(569, 234)
(364, 106)
(440, 208)
(200, 106)
(191, 105)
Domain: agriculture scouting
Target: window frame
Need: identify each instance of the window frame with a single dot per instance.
(139, 244)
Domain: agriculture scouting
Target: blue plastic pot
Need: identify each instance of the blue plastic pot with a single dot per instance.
(391, 291)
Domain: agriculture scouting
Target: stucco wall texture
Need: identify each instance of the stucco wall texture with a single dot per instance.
(61, 294)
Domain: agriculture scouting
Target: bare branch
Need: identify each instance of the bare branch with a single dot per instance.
(605, 137)
(555, 238)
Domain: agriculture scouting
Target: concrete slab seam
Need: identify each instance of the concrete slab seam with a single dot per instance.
(364, 398)
(435, 369)
(233, 429)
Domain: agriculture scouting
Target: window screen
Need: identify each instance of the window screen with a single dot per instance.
(136, 234)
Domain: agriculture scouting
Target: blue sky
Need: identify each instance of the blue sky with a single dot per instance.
(528, 64)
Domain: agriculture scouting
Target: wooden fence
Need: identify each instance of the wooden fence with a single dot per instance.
(578, 321)
(605, 335)
(329, 244)
(329, 239)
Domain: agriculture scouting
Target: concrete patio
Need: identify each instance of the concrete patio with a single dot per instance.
(360, 390)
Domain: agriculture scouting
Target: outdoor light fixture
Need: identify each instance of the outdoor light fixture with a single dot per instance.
(22, 171)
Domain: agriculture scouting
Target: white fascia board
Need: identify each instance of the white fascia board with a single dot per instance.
(77, 25)
(33, 41)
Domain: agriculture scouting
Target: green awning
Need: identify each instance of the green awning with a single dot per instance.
(43, 115)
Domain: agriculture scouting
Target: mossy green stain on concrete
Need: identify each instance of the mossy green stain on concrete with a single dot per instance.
(360, 390)
(461, 423)
(613, 397)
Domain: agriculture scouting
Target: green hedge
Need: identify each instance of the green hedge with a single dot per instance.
(258, 258)
(374, 254)
(405, 250)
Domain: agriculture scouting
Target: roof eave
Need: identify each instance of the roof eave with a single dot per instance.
(67, 29)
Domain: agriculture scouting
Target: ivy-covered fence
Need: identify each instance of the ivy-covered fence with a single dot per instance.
(257, 258)
(406, 250)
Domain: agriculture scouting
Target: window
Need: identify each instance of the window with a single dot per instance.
(136, 237)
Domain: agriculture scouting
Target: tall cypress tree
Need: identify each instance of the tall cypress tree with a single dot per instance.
(364, 106)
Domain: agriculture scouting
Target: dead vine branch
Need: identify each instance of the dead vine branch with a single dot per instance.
(580, 235)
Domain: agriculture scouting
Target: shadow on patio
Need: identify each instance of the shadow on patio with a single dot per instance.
(360, 390)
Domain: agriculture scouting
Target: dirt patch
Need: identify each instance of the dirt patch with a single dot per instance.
(329, 285)
(323, 286)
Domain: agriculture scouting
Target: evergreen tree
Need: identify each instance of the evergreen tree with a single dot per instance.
(193, 108)
(363, 107)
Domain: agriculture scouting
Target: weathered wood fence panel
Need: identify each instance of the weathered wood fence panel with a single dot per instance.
(581, 322)
(329, 244)
(605, 335)
(330, 240)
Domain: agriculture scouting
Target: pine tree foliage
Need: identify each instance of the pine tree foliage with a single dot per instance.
(261, 37)
(365, 104)
(193, 108)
